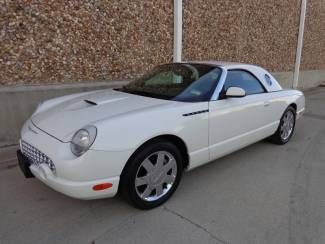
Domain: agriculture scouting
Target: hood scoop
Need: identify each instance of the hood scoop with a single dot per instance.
(90, 102)
(103, 100)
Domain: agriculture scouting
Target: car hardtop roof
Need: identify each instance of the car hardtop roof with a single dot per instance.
(266, 78)
(257, 71)
(228, 65)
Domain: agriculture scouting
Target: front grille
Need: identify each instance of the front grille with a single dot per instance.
(35, 155)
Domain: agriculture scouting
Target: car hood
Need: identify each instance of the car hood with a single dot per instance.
(65, 118)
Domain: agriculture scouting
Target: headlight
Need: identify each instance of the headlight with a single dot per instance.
(83, 139)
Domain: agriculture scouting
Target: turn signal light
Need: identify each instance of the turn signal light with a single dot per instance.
(103, 186)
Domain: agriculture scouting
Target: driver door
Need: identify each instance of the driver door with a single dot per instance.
(235, 122)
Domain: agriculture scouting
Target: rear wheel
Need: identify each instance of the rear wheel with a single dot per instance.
(152, 175)
(286, 127)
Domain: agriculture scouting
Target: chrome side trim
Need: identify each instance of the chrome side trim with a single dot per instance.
(221, 82)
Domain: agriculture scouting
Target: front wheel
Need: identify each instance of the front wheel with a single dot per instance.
(286, 127)
(152, 175)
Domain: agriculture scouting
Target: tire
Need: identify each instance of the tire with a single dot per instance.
(152, 175)
(279, 136)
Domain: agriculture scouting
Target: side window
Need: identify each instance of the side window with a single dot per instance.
(244, 80)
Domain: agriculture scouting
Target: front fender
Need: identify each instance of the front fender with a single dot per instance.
(132, 130)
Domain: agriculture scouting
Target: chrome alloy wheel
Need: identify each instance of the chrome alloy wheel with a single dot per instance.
(155, 176)
(286, 128)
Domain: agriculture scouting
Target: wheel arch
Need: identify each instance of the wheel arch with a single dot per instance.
(177, 141)
(294, 105)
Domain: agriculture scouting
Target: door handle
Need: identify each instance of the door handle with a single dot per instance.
(266, 104)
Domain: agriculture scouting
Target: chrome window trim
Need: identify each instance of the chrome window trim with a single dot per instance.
(221, 82)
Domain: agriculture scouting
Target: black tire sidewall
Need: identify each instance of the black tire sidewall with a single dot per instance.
(129, 174)
(281, 121)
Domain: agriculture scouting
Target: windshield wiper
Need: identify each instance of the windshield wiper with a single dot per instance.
(144, 93)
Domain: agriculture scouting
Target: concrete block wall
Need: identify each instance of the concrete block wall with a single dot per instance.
(307, 78)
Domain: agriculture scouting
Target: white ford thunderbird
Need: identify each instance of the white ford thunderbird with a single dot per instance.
(138, 139)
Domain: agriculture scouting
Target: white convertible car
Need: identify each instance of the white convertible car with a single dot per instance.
(138, 139)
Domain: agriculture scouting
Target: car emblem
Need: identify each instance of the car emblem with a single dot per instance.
(268, 79)
(30, 128)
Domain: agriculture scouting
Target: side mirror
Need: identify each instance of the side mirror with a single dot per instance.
(235, 92)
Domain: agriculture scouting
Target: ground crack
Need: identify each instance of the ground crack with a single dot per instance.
(195, 224)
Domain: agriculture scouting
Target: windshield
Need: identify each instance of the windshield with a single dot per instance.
(179, 82)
